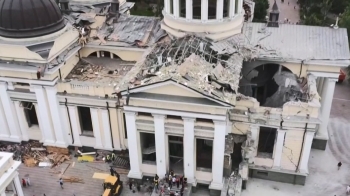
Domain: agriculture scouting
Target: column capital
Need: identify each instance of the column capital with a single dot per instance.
(310, 133)
(219, 122)
(50, 87)
(188, 119)
(158, 116)
(130, 113)
(281, 130)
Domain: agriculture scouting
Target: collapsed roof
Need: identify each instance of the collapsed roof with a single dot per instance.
(213, 69)
(122, 30)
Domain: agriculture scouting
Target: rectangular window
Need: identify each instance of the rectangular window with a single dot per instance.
(236, 6)
(226, 8)
(85, 121)
(204, 120)
(266, 144)
(148, 147)
(174, 117)
(144, 114)
(171, 6)
(30, 113)
(204, 149)
(125, 128)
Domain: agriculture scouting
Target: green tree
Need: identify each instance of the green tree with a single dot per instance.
(325, 7)
(260, 10)
(345, 23)
(313, 20)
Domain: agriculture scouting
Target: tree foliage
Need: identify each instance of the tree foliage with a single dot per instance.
(345, 23)
(260, 10)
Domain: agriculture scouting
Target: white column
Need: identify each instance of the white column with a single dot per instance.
(254, 129)
(21, 120)
(3, 194)
(135, 162)
(4, 131)
(189, 9)
(176, 8)
(159, 134)
(112, 56)
(326, 104)
(279, 148)
(73, 114)
(65, 123)
(189, 150)
(218, 155)
(60, 133)
(167, 6)
(98, 54)
(18, 186)
(10, 113)
(46, 124)
(320, 85)
(106, 130)
(96, 128)
(231, 10)
(204, 11)
(309, 136)
(240, 6)
(219, 9)
(40, 121)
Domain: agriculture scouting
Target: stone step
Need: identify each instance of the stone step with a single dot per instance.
(121, 162)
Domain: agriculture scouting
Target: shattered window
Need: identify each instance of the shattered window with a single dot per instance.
(266, 143)
(85, 121)
(148, 146)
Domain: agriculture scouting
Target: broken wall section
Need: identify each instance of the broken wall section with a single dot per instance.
(292, 149)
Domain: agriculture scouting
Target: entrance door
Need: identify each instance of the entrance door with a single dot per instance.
(176, 154)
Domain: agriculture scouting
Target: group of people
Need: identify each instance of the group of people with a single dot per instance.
(172, 180)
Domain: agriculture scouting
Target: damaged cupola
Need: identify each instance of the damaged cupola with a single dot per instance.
(26, 19)
(215, 19)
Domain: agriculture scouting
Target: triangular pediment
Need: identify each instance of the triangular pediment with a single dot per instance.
(173, 89)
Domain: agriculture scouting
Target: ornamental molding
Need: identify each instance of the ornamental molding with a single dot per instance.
(174, 131)
(202, 133)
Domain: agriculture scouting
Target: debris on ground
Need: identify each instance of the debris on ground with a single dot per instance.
(72, 179)
(35, 154)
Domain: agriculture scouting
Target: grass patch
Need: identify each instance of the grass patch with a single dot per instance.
(141, 12)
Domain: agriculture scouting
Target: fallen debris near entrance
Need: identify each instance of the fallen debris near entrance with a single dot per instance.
(35, 154)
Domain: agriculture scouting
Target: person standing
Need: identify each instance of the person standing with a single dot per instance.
(61, 183)
(28, 181)
(24, 183)
(174, 180)
(112, 171)
(177, 182)
(339, 165)
(170, 179)
(130, 185)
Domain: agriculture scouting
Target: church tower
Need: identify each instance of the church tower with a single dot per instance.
(274, 16)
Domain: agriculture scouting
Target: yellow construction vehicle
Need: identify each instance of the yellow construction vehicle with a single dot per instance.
(112, 186)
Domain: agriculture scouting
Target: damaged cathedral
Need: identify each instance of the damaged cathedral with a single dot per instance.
(203, 91)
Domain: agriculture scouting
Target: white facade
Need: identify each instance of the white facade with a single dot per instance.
(63, 113)
(10, 184)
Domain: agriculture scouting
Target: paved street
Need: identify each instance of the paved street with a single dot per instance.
(45, 182)
(287, 10)
(339, 125)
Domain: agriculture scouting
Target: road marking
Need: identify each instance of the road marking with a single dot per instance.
(341, 99)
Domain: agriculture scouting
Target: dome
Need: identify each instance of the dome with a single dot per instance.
(29, 18)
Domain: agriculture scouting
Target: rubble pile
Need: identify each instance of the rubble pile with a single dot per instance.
(33, 153)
